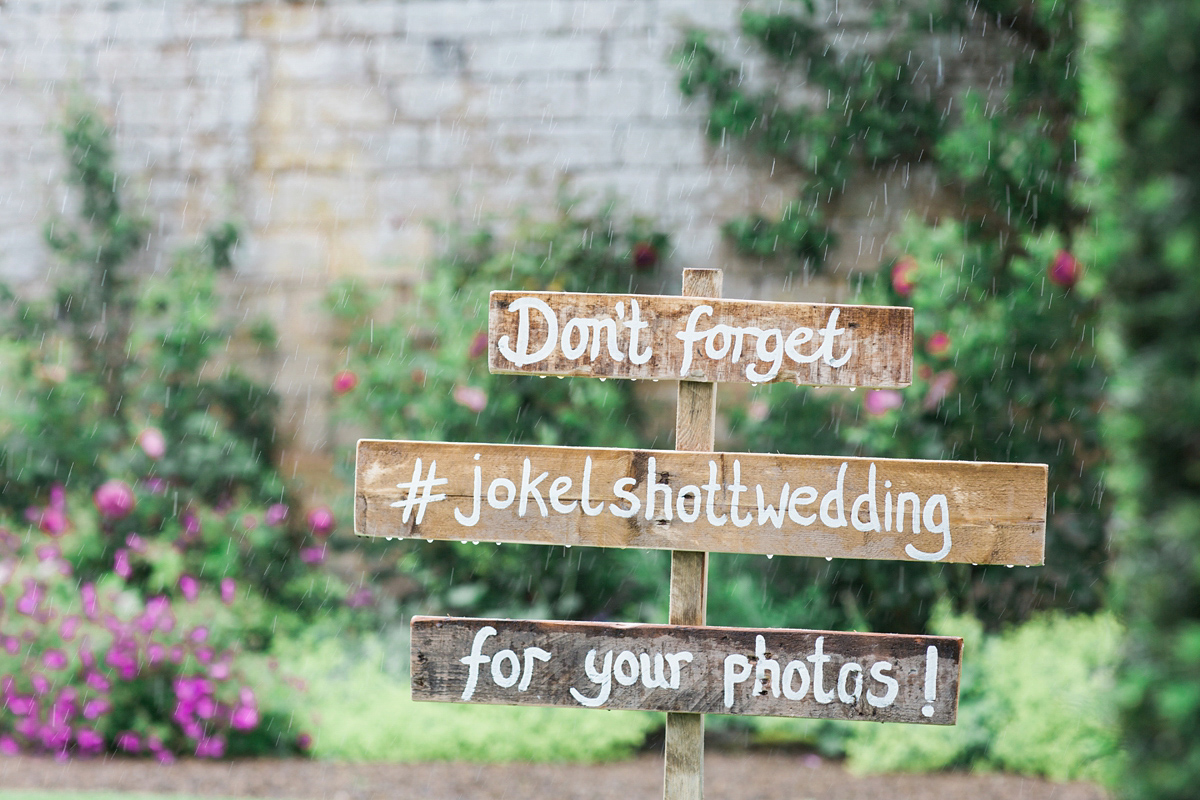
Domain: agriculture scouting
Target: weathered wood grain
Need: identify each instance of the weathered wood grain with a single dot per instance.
(593, 335)
(797, 680)
(695, 431)
(996, 513)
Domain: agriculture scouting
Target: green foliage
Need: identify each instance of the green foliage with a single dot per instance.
(1146, 94)
(1005, 361)
(421, 373)
(1034, 700)
(359, 710)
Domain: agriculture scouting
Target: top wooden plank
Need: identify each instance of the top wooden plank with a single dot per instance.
(699, 339)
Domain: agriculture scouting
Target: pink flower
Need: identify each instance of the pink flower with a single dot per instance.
(40, 684)
(114, 499)
(940, 386)
(11, 644)
(191, 523)
(153, 443)
(54, 659)
(121, 563)
(206, 707)
(164, 757)
(47, 552)
(129, 741)
(52, 521)
(9, 746)
(304, 741)
(66, 630)
(360, 597)
(276, 513)
(249, 522)
(938, 344)
(904, 274)
(96, 707)
(135, 543)
(29, 601)
(478, 345)
(312, 555)
(87, 593)
(344, 381)
(244, 718)
(470, 398)
(321, 521)
(189, 587)
(880, 401)
(199, 634)
(1065, 270)
(97, 681)
(210, 747)
(219, 671)
(228, 591)
(155, 485)
(89, 741)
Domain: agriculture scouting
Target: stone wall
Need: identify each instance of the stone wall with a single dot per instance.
(333, 131)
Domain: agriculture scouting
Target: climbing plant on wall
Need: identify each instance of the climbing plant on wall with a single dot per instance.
(1005, 360)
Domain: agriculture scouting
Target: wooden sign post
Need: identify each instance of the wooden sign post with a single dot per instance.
(693, 501)
(695, 428)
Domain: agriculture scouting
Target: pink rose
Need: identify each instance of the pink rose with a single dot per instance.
(344, 381)
(114, 499)
(153, 443)
(904, 273)
(938, 344)
(1064, 270)
(470, 398)
(321, 521)
(881, 401)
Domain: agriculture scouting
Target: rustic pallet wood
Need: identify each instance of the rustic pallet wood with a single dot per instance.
(699, 339)
(968, 512)
(709, 670)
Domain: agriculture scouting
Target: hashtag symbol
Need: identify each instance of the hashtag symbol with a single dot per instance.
(423, 487)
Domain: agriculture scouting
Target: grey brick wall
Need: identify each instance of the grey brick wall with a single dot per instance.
(334, 130)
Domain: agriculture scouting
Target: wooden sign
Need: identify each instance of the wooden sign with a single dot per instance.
(876, 508)
(699, 339)
(710, 670)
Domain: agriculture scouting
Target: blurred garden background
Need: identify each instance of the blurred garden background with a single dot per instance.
(237, 236)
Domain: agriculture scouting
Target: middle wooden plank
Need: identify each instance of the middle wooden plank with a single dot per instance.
(699, 339)
(889, 509)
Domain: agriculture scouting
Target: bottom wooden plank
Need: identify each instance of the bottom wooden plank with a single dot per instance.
(708, 670)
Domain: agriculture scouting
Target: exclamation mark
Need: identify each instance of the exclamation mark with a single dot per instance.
(930, 680)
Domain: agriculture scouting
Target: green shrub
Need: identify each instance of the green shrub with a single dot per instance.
(1145, 93)
(420, 372)
(1006, 366)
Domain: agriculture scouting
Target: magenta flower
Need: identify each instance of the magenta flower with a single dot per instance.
(22, 705)
(87, 593)
(478, 345)
(67, 629)
(938, 344)
(9, 746)
(47, 552)
(304, 741)
(219, 671)
(52, 521)
(880, 401)
(31, 598)
(1065, 270)
(470, 398)
(210, 747)
(135, 543)
(189, 587)
(11, 644)
(191, 523)
(199, 634)
(114, 499)
(97, 681)
(129, 742)
(155, 485)
(89, 741)
(121, 563)
(312, 555)
(40, 685)
(155, 653)
(321, 521)
(360, 597)
(96, 707)
(344, 381)
(164, 757)
(276, 513)
(153, 443)
(54, 659)
(904, 273)
(206, 708)
(228, 591)
(244, 718)
(58, 496)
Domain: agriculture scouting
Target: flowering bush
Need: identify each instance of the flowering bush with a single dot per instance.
(422, 374)
(93, 667)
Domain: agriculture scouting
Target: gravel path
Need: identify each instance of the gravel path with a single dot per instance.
(755, 776)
